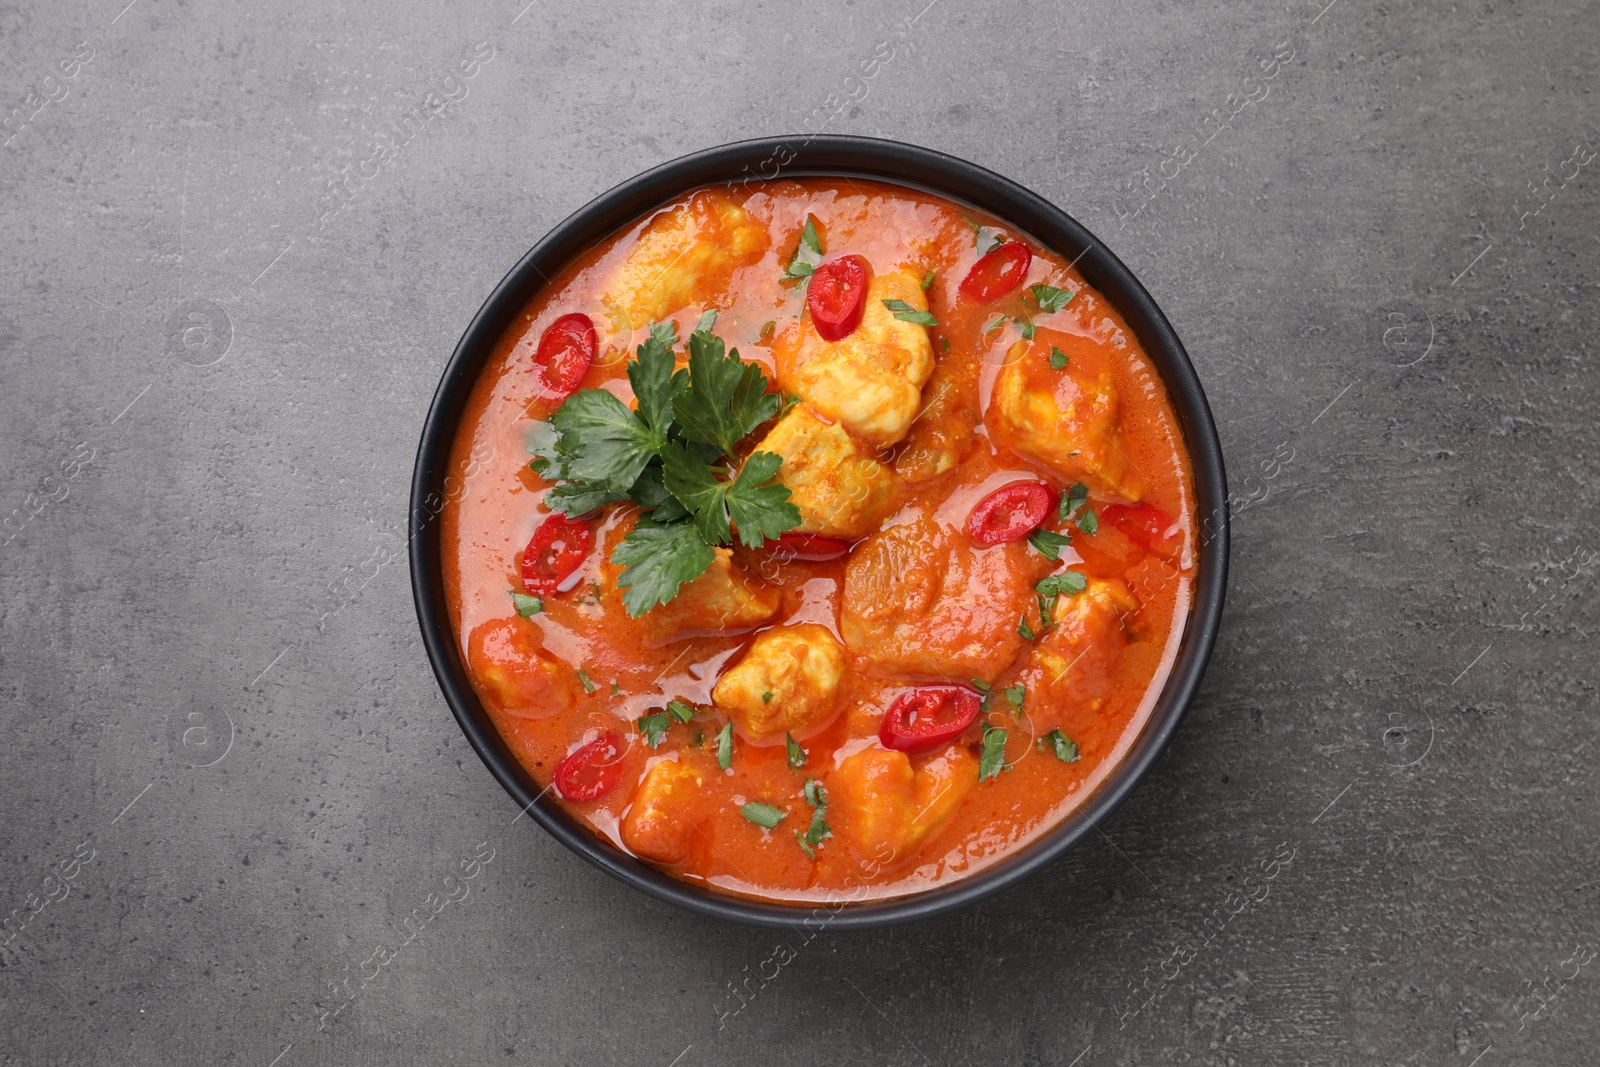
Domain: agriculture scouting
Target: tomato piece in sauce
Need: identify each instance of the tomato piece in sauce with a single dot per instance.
(811, 547)
(592, 770)
(565, 352)
(558, 547)
(1149, 526)
(920, 719)
(1010, 513)
(998, 272)
(837, 295)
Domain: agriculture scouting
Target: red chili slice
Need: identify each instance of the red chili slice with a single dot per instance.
(837, 295)
(920, 719)
(558, 547)
(1149, 526)
(997, 273)
(565, 352)
(591, 770)
(1009, 513)
(810, 546)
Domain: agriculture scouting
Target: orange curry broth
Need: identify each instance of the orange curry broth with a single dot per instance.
(487, 523)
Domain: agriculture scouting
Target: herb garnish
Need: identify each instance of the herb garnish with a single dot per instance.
(1049, 543)
(1070, 583)
(1072, 500)
(807, 254)
(674, 457)
(1087, 522)
(982, 686)
(764, 815)
(1049, 298)
(1065, 748)
(927, 280)
(995, 325)
(725, 746)
(1026, 326)
(527, 606)
(989, 234)
(814, 793)
(680, 711)
(796, 754)
(993, 758)
(653, 728)
(819, 828)
(906, 313)
(588, 684)
(1026, 631)
(1058, 358)
(1015, 694)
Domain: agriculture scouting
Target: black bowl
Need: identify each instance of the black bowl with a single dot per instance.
(903, 164)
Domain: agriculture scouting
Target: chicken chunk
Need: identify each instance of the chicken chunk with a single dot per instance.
(513, 672)
(884, 808)
(922, 599)
(684, 255)
(941, 436)
(724, 599)
(871, 381)
(1066, 419)
(659, 826)
(839, 487)
(1071, 667)
(787, 683)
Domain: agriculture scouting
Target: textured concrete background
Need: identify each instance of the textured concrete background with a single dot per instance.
(229, 780)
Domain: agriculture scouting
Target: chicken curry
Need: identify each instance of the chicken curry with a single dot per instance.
(840, 538)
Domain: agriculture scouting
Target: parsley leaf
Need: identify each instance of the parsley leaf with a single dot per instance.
(1015, 694)
(807, 254)
(1087, 522)
(764, 815)
(1050, 298)
(907, 313)
(1045, 621)
(1058, 358)
(727, 397)
(602, 441)
(1049, 543)
(655, 381)
(656, 559)
(1065, 749)
(526, 605)
(995, 325)
(992, 759)
(1027, 634)
(1026, 326)
(1070, 583)
(680, 711)
(653, 728)
(761, 511)
(804, 846)
(796, 754)
(588, 683)
(725, 746)
(1072, 500)
(927, 280)
(982, 686)
(814, 834)
(814, 794)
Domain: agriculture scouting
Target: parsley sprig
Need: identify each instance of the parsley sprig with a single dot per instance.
(674, 456)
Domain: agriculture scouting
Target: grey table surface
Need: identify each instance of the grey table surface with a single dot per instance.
(229, 778)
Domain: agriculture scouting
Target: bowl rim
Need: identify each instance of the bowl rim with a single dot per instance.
(897, 163)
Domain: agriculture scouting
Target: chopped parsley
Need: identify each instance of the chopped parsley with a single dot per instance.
(526, 605)
(698, 739)
(725, 746)
(1065, 748)
(1070, 583)
(987, 239)
(1049, 543)
(1049, 298)
(674, 457)
(1026, 326)
(766, 332)
(796, 754)
(680, 711)
(653, 728)
(814, 793)
(906, 313)
(1026, 631)
(992, 760)
(1072, 500)
(1058, 358)
(616, 690)
(819, 828)
(1015, 694)
(807, 254)
(766, 698)
(1045, 621)
(1087, 522)
(927, 280)
(588, 684)
(995, 325)
(982, 686)
(764, 815)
